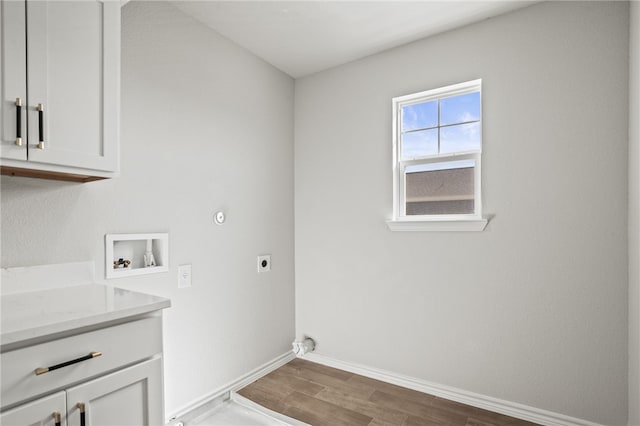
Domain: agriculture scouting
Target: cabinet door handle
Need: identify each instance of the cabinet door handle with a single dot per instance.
(43, 370)
(56, 418)
(19, 121)
(80, 406)
(40, 126)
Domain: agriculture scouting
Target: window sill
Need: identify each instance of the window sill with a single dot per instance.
(471, 225)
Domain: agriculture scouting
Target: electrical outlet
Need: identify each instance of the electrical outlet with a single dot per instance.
(264, 263)
(184, 276)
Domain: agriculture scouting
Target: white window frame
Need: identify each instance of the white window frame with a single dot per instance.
(450, 222)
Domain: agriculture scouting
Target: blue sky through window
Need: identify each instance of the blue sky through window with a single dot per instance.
(421, 143)
(420, 116)
(453, 138)
(460, 109)
(460, 138)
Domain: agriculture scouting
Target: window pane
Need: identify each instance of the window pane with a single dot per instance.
(460, 109)
(460, 138)
(420, 143)
(440, 188)
(420, 116)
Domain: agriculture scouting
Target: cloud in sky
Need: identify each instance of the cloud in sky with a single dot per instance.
(460, 138)
(420, 116)
(459, 109)
(419, 144)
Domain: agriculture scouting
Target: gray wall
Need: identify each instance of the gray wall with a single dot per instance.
(634, 217)
(205, 125)
(533, 309)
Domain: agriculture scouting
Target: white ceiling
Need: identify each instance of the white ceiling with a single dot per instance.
(304, 37)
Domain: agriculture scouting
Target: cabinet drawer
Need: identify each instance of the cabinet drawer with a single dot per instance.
(120, 345)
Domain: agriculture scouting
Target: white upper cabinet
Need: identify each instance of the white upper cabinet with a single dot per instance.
(13, 66)
(70, 117)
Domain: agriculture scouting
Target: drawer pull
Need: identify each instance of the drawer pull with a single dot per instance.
(18, 121)
(56, 418)
(80, 406)
(43, 370)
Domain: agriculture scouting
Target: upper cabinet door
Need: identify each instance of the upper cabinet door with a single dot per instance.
(73, 76)
(13, 63)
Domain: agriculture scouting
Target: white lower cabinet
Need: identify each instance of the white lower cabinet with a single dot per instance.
(128, 397)
(111, 376)
(132, 396)
(47, 411)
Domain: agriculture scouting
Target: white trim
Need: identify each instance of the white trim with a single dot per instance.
(473, 225)
(441, 92)
(280, 418)
(442, 158)
(508, 408)
(232, 386)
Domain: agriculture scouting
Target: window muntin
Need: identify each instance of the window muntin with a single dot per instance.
(437, 146)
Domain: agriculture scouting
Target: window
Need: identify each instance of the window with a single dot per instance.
(437, 144)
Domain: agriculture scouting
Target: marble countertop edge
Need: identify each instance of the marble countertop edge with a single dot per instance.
(51, 324)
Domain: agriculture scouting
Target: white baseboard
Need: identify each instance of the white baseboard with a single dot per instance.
(215, 397)
(508, 408)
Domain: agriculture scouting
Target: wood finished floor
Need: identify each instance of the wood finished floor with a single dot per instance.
(325, 396)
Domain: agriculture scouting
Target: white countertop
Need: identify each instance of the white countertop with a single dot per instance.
(36, 314)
